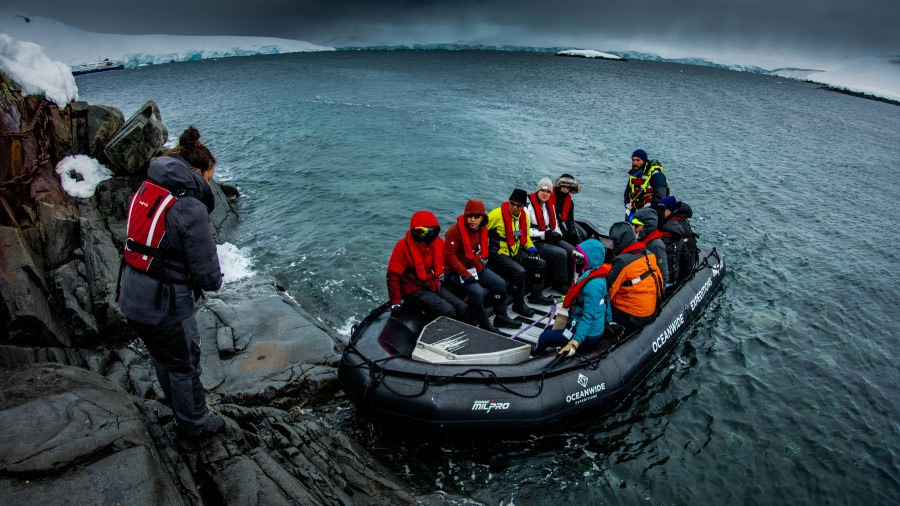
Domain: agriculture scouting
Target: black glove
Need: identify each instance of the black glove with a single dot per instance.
(469, 280)
(395, 308)
(552, 236)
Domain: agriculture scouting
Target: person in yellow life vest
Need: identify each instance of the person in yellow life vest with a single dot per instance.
(513, 256)
(635, 282)
(415, 268)
(646, 184)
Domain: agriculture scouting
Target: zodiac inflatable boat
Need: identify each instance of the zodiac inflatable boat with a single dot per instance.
(449, 375)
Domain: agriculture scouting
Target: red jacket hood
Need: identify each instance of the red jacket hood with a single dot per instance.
(423, 219)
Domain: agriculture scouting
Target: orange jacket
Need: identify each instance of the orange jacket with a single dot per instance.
(638, 286)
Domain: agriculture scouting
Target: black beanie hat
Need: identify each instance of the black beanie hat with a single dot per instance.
(519, 195)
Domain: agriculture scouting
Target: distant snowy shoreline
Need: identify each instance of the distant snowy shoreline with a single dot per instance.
(874, 77)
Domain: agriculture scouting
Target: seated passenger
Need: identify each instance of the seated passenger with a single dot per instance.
(588, 305)
(465, 249)
(644, 225)
(679, 238)
(513, 255)
(563, 189)
(547, 237)
(635, 283)
(415, 268)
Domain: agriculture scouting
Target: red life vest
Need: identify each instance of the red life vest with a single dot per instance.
(566, 207)
(539, 212)
(437, 258)
(508, 225)
(640, 193)
(146, 227)
(576, 289)
(656, 234)
(465, 237)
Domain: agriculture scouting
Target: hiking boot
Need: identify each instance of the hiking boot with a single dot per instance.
(522, 309)
(506, 322)
(540, 300)
(489, 328)
(214, 425)
(562, 288)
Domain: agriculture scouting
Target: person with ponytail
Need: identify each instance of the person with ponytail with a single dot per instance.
(165, 270)
(415, 269)
(465, 251)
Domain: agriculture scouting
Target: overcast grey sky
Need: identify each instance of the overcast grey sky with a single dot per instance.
(857, 28)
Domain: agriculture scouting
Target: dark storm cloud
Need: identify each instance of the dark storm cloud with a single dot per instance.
(861, 26)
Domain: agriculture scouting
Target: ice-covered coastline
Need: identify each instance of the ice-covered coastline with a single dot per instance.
(875, 77)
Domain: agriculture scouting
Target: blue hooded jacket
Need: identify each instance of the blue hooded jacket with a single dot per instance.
(591, 310)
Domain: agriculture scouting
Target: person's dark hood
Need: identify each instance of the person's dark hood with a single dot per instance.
(177, 175)
(683, 211)
(650, 218)
(622, 236)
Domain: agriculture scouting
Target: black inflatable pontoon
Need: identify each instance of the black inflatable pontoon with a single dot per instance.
(449, 375)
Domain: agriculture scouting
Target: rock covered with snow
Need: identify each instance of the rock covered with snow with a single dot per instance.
(27, 64)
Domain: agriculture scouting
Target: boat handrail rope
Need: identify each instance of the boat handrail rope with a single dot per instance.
(377, 374)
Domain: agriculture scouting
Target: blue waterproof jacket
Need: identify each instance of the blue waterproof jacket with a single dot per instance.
(591, 311)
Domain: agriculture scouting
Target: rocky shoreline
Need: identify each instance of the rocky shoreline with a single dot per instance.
(79, 401)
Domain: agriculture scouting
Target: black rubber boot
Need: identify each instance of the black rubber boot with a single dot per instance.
(519, 305)
(506, 322)
(537, 295)
(485, 323)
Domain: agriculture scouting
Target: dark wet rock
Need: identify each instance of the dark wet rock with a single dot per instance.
(73, 437)
(225, 341)
(69, 285)
(60, 233)
(29, 317)
(102, 261)
(93, 126)
(296, 461)
(137, 141)
(224, 217)
(83, 414)
(278, 351)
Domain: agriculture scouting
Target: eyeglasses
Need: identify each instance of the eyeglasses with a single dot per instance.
(516, 204)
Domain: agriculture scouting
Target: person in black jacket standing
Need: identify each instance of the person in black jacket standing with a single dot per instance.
(160, 278)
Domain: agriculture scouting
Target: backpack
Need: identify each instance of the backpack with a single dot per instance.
(145, 246)
(146, 229)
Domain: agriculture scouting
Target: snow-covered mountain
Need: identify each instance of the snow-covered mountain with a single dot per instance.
(877, 76)
(73, 46)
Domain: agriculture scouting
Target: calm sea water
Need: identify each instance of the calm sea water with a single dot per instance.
(785, 391)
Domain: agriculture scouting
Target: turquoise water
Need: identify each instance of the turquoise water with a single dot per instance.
(785, 391)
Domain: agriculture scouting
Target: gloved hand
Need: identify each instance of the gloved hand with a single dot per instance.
(395, 308)
(552, 236)
(569, 349)
(628, 207)
(579, 258)
(469, 280)
(533, 255)
(615, 329)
